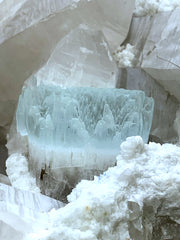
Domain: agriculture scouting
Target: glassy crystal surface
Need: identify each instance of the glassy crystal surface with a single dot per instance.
(75, 133)
(31, 29)
(83, 117)
(158, 47)
(81, 58)
(165, 106)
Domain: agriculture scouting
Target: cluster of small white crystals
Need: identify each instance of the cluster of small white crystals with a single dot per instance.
(99, 209)
(18, 173)
(125, 56)
(144, 7)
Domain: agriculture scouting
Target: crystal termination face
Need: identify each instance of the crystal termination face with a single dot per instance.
(83, 117)
(81, 59)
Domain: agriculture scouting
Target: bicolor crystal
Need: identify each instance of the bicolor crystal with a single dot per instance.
(75, 133)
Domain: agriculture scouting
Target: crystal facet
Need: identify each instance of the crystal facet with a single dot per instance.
(73, 129)
(83, 117)
(31, 29)
(81, 58)
(21, 211)
(157, 40)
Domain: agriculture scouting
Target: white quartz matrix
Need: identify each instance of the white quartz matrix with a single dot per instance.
(98, 209)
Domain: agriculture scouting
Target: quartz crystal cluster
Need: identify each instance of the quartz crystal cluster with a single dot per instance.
(31, 29)
(74, 57)
(81, 58)
(74, 133)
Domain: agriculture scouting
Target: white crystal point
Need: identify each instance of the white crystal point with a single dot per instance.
(75, 133)
(22, 211)
(31, 29)
(81, 58)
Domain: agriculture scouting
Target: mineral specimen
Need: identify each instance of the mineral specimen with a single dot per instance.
(165, 106)
(137, 199)
(81, 58)
(30, 30)
(74, 133)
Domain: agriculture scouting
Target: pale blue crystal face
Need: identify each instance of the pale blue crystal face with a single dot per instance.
(83, 117)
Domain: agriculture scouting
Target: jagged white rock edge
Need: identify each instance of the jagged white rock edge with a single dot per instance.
(98, 209)
(151, 7)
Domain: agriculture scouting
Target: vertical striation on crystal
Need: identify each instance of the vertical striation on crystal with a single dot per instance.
(74, 133)
(22, 211)
(83, 117)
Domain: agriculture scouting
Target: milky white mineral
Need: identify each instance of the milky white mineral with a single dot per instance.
(22, 212)
(125, 56)
(136, 199)
(18, 173)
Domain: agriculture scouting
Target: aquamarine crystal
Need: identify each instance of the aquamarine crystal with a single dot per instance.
(75, 133)
(83, 117)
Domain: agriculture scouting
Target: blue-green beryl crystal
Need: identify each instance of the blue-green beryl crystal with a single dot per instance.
(83, 117)
(75, 133)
